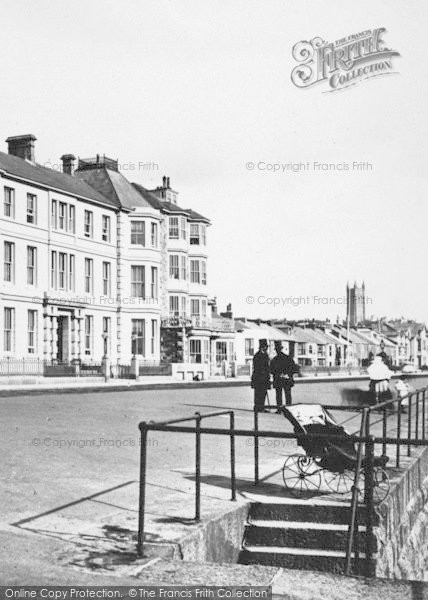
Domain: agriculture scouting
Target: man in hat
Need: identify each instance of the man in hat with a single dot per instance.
(260, 378)
(282, 368)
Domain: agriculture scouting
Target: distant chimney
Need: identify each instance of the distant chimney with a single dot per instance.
(22, 146)
(228, 314)
(164, 181)
(167, 183)
(68, 163)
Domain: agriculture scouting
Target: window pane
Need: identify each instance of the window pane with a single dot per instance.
(138, 233)
(173, 228)
(138, 342)
(138, 281)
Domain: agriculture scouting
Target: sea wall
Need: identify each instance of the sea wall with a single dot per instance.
(403, 528)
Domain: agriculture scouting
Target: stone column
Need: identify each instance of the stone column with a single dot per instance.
(73, 337)
(46, 337)
(54, 337)
(79, 338)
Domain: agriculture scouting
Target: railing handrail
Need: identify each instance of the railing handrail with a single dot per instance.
(285, 434)
(148, 424)
(353, 523)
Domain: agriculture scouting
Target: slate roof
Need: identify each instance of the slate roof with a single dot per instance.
(50, 178)
(307, 336)
(168, 207)
(114, 186)
(267, 331)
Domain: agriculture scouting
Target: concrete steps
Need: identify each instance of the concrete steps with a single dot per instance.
(303, 535)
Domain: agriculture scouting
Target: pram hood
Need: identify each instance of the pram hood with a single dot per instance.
(302, 416)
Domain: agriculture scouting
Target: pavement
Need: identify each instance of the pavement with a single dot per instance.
(70, 471)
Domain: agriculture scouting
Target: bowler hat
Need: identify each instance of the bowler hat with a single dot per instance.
(263, 343)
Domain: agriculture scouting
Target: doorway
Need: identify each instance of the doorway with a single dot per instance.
(63, 352)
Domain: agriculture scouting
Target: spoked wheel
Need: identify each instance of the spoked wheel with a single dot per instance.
(301, 474)
(340, 482)
(381, 485)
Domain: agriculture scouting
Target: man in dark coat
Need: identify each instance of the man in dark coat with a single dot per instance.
(260, 378)
(282, 368)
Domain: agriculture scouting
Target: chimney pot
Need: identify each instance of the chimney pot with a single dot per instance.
(164, 181)
(167, 182)
(68, 163)
(22, 146)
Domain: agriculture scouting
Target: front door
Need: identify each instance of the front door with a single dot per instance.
(63, 339)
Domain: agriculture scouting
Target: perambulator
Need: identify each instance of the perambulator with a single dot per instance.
(335, 459)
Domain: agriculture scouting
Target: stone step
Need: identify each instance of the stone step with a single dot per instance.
(298, 558)
(320, 512)
(301, 535)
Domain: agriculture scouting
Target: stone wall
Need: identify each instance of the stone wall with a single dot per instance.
(219, 540)
(403, 528)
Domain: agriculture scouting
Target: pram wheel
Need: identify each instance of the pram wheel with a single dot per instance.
(339, 482)
(381, 485)
(301, 474)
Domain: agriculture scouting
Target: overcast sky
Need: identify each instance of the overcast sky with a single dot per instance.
(202, 88)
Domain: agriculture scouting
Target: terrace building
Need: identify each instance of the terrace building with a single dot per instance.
(58, 239)
(93, 266)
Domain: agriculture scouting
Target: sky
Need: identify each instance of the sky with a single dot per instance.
(203, 88)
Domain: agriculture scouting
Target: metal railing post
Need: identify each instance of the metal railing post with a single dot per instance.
(384, 430)
(198, 467)
(232, 456)
(352, 540)
(398, 433)
(409, 424)
(142, 500)
(417, 417)
(256, 446)
(423, 413)
(368, 497)
(367, 435)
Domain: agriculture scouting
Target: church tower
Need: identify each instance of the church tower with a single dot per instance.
(355, 304)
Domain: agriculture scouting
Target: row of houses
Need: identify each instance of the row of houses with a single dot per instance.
(324, 344)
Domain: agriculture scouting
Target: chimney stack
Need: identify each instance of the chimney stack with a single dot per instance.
(167, 183)
(68, 163)
(164, 181)
(22, 146)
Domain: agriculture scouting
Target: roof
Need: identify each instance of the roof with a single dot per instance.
(50, 178)
(114, 186)
(168, 207)
(354, 336)
(263, 330)
(311, 336)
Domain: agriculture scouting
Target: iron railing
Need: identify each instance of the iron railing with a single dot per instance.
(171, 426)
(365, 440)
(48, 368)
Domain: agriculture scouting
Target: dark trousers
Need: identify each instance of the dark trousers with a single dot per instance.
(260, 396)
(287, 394)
